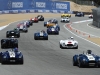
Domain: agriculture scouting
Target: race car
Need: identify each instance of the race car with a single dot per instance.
(52, 21)
(34, 20)
(40, 18)
(53, 30)
(9, 43)
(69, 43)
(28, 23)
(65, 15)
(41, 35)
(23, 28)
(11, 56)
(56, 26)
(50, 24)
(13, 33)
(22, 23)
(86, 59)
(79, 14)
(65, 19)
(91, 16)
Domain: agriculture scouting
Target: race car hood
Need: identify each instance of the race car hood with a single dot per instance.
(69, 41)
(90, 57)
(50, 24)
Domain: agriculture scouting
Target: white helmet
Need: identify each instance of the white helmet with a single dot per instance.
(72, 38)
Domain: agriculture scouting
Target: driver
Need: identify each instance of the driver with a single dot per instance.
(15, 49)
(43, 31)
(89, 51)
(72, 38)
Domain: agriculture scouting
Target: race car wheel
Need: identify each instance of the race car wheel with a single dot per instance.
(35, 38)
(7, 36)
(26, 31)
(74, 63)
(3, 62)
(18, 35)
(22, 61)
(61, 46)
(80, 64)
(57, 33)
(46, 38)
(43, 19)
(76, 47)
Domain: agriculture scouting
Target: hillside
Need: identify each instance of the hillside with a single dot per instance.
(83, 8)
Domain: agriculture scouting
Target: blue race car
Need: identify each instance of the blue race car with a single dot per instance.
(86, 59)
(41, 35)
(45, 23)
(9, 43)
(53, 30)
(11, 56)
(57, 27)
(79, 14)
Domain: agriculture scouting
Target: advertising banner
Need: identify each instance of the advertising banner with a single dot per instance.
(34, 6)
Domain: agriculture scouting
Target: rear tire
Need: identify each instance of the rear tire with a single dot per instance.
(35, 38)
(74, 64)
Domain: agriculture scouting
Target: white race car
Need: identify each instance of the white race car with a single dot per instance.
(69, 43)
(91, 16)
(65, 19)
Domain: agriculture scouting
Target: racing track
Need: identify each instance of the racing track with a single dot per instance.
(45, 57)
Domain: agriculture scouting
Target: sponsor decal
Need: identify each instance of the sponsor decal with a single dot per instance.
(17, 4)
(61, 6)
(41, 4)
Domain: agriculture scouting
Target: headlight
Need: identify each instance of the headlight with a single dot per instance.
(4, 56)
(75, 44)
(20, 56)
(63, 43)
(99, 59)
(83, 59)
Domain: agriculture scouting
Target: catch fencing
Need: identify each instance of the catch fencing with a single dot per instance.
(31, 6)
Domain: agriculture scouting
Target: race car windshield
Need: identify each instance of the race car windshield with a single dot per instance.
(89, 51)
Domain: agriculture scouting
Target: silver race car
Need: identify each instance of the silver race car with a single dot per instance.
(65, 19)
(69, 43)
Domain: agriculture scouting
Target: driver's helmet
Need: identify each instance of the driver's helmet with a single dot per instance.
(15, 28)
(89, 51)
(42, 31)
(71, 38)
(15, 49)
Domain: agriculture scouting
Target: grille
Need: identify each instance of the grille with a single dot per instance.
(69, 44)
(12, 58)
(92, 61)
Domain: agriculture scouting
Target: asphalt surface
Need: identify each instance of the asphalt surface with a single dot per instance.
(44, 57)
(87, 28)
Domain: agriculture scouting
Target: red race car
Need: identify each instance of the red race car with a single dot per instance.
(34, 20)
(18, 26)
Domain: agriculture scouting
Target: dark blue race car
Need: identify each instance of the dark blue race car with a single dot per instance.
(79, 14)
(53, 30)
(11, 56)
(28, 23)
(41, 35)
(86, 59)
(57, 27)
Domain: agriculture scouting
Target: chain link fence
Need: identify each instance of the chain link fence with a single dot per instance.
(96, 17)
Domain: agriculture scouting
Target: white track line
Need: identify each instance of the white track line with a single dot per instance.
(79, 36)
(92, 27)
(83, 31)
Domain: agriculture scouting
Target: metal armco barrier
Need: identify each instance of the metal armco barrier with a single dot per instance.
(30, 6)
